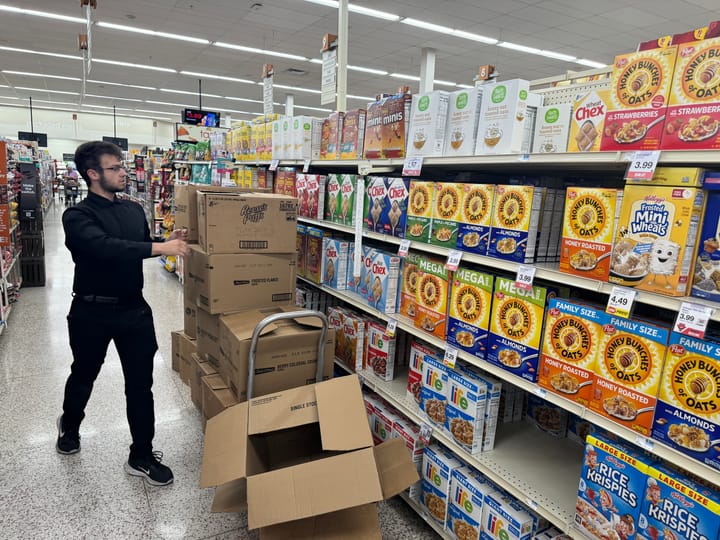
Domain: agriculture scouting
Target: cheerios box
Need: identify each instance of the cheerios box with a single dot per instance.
(447, 214)
(394, 217)
(434, 393)
(382, 279)
(467, 494)
(437, 468)
(334, 263)
(688, 408)
(516, 326)
(421, 199)
(515, 222)
(471, 294)
(476, 217)
(431, 296)
(418, 351)
(628, 371)
(504, 518)
(611, 489)
(465, 411)
(674, 507)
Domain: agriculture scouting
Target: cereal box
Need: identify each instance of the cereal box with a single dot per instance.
(706, 274)
(467, 493)
(546, 416)
(469, 311)
(330, 138)
(431, 297)
(674, 508)
(504, 518)
(516, 327)
(382, 427)
(587, 121)
(302, 194)
(301, 248)
(276, 140)
(591, 216)
(693, 115)
(380, 351)
(351, 341)
(421, 201)
(639, 92)
(395, 121)
(476, 217)
(410, 434)
(611, 488)
(394, 216)
(360, 284)
(674, 176)
(551, 129)
(418, 351)
(332, 198)
(334, 263)
(347, 215)
(656, 241)
(315, 187)
(688, 409)
(433, 396)
(408, 284)
(570, 348)
(579, 428)
(462, 122)
(437, 468)
(628, 372)
(287, 137)
(465, 411)
(384, 277)
(428, 122)
(515, 221)
(492, 404)
(353, 134)
(314, 254)
(502, 118)
(373, 129)
(374, 207)
(447, 213)
(306, 133)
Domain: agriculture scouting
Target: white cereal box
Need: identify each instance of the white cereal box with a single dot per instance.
(380, 350)
(418, 350)
(334, 263)
(463, 115)
(382, 281)
(551, 128)
(504, 518)
(437, 468)
(427, 124)
(410, 434)
(468, 489)
(382, 427)
(465, 411)
(433, 396)
(492, 405)
(502, 118)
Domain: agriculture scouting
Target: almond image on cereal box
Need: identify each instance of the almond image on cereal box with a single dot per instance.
(476, 218)
(431, 296)
(447, 213)
(469, 310)
(628, 372)
(421, 199)
(588, 121)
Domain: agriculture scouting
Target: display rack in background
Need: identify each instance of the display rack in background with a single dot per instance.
(32, 185)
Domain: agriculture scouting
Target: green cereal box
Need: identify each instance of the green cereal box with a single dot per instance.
(332, 198)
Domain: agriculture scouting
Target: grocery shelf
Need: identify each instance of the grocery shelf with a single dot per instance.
(442, 533)
(191, 162)
(6, 271)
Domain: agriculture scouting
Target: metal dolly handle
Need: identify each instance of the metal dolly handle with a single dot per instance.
(279, 317)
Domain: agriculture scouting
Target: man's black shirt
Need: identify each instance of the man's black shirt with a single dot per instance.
(108, 241)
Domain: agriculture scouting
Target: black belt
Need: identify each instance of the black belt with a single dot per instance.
(97, 299)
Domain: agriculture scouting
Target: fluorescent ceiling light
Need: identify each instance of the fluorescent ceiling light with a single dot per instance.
(171, 91)
(521, 48)
(54, 102)
(130, 64)
(44, 14)
(152, 33)
(465, 86)
(28, 74)
(558, 56)
(248, 100)
(364, 98)
(122, 84)
(219, 77)
(260, 51)
(590, 63)
(169, 104)
(354, 8)
(10, 97)
(368, 70)
(444, 83)
(312, 108)
(154, 112)
(41, 53)
(106, 107)
(474, 37)
(45, 90)
(406, 77)
(316, 60)
(427, 25)
(114, 97)
(297, 88)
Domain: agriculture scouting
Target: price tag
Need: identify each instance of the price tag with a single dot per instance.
(274, 164)
(642, 165)
(412, 166)
(621, 301)
(644, 442)
(525, 277)
(391, 327)
(692, 319)
(453, 260)
(531, 504)
(306, 165)
(524, 157)
(539, 391)
(404, 247)
(450, 357)
(364, 167)
(425, 433)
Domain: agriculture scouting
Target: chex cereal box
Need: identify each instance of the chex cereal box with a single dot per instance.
(332, 198)
(380, 350)
(346, 213)
(361, 284)
(303, 196)
(418, 351)
(612, 484)
(382, 280)
(335, 315)
(469, 310)
(706, 275)
(571, 342)
(688, 409)
(420, 210)
(408, 284)
(588, 120)
(334, 263)
(431, 296)
(591, 216)
(515, 222)
(492, 404)
(465, 411)
(315, 188)
(434, 393)
(447, 214)
(476, 216)
(628, 372)
(438, 465)
(375, 205)
(676, 508)
(504, 518)
(467, 494)
(516, 327)
(396, 200)
(656, 241)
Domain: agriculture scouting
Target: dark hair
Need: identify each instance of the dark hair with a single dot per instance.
(87, 156)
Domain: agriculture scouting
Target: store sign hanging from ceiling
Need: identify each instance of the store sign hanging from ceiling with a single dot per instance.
(329, 69)
(198, 117)
(268, 89)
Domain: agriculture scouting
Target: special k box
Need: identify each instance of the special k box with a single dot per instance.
(447, 213)
(587, 121)
(570, 346)
(420, 210)
(591, 216)
(469, 311)
(408, 284)
(628, 372)
(431, 296)
(476, 218)
(693, 116)
(639, 93)
(515, 220)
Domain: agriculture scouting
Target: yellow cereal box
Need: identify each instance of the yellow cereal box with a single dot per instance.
(408, 284)
(469, 310)
(420, 210)
(591, 215)
(674, 176)
(656, 240)
(446, 214)
(588, 120)
(515, 219)
(474, 232)
(431, 296)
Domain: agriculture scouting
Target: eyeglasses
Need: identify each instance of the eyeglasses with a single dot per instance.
(115, 168)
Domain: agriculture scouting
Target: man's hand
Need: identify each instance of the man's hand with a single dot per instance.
(171, 247)
(179, 234)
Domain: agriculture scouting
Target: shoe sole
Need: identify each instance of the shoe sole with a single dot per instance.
(134, 472)
(59, 451)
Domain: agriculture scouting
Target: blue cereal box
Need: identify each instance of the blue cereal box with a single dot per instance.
(360, 284)
(476, 218)
(467, 493)
(612, 484)
(433, 395)
(394, 218)
(515, 221)
(465, 411)
(687, 414)
(469, 311)
(334, 263)
(382, 279)
(504, 518)
(675, 508)
(438, 465)
(706, 277)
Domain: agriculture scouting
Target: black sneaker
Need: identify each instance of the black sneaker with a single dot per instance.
(68, 442)
(151, 469)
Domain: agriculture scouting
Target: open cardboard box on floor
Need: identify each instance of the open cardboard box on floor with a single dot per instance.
(301, 453)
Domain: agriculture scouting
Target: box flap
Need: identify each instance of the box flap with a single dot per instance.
(314, 488)
(243, 323)
(358, 523)
(395, 467)
(343, 418)
(215, 382)
(225, 449)
(230, 497)
(289, 408)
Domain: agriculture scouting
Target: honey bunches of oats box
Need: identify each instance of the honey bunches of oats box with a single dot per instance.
(688, 408)
(515, 220)
(476, 218)
(467, 493)
(447, 214)
(469, 311)
(431, 297)
(438, 465)
(420, 210)
(408, 284)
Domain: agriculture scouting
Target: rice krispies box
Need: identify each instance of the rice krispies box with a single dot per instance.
(611, 489)
(380, 356)
(418, 351)
(431, 297)
(394, 217)
(476, 218)
(467, 494)
(374, 205)
(504, 518)
(334, 263)
(408, 284)
(515, 221)
(433, 396)
(421, 200)
(465, 411)
(687, 417)
(332, 198)
(447, 214)
(382, 279)
(469, 308)
(437, 468)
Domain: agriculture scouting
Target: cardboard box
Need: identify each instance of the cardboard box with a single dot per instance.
(476, 218)
(551, 129)
(199, 368)
(462, 122)
(447, 214)
(432, 296)
(187, 348)
(502, 118)
(312, 440)
(175, 350)
(438, 466)
(231, 282)
(186, 208)
(359, 522)
(428, 123)
(353, 134)
(588, 120)
(421, 201)
(469, 308)
(189, 312)
(286, 354)
(216, 396)
(246, 223)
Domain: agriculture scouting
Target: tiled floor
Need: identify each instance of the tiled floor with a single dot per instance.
(45, 495)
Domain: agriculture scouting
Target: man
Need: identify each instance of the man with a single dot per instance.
(71, 186)
(109, 238)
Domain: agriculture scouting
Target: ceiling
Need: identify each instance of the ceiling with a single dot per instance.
(584, 29)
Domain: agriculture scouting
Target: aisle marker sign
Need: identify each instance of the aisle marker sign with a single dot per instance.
(391, 327)
(267, 90)
(425, 433)
(359, 201)
(642, 165)
(329, 76)
(274, 164)
(306, 165)
(412, 166)
(692, 319)
(450, 358)
(525, 277)
(453, 260)
(621, 301)
(404, 247)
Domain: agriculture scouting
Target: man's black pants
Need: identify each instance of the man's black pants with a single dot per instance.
(92, 326)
